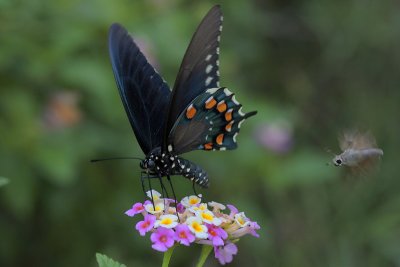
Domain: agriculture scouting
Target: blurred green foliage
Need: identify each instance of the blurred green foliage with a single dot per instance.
(316, 67)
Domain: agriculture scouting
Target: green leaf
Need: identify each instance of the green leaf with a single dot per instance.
(105, 261)
(4, 181)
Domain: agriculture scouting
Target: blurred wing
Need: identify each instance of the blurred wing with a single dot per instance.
(366, 166)
(353, 139)
(210, 122)
(199, 69)
(144, 94)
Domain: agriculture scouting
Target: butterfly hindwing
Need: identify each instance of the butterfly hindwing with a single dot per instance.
(199, 70)
(210, 122)
(144, 94)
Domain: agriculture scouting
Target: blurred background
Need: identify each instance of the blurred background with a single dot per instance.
(311, 69)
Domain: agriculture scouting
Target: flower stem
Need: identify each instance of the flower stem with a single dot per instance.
(205, 251)
(167, 257)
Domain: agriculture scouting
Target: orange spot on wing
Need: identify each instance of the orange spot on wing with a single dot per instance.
(220, 139)
(210, 103)
(228, 127)
(228, 115)
(190, 112)
(221, 106)
(208, 146)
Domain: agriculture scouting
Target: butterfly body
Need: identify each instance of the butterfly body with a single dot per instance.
(354, 157)
(197, 114)
(160, 164)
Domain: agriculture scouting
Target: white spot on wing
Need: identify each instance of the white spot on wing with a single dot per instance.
(227, 92)
(241, 112)
(209, 68)
(220, 28)
(240, 123)
(212, 91)
(235, 101)
(208, 80)
(217, 50)
(222, 148)
(208, 57)
(169, 148)
(234, 137)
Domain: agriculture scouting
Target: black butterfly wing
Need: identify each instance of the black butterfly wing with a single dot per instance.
(144, 94)
(211, 122)
(199, 69)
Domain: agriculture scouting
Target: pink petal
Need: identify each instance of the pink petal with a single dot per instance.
(130, 213)
(233, 210)
(160, 247)
(217, 241)
(170, 242)
(231, 248)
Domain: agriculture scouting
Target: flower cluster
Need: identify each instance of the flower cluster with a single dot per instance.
(192, 221)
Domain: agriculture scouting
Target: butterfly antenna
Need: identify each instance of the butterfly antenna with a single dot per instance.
(194, 189)
(151, 192)
(97, 160)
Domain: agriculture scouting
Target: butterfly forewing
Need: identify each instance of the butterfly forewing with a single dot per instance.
(199, 70)
(144, 93)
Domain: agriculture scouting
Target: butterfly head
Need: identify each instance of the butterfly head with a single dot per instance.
(337, 161)
(148, 164)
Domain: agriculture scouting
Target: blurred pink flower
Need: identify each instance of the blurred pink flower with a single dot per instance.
(275, 136)
(162, 239)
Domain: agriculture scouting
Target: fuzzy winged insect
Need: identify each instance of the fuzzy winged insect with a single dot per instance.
(196, 114)
(360, 151)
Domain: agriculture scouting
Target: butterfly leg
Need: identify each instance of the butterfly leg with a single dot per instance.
(142, 181)
(173, 193)
(163, 188)
(151, 190)
(194, 189)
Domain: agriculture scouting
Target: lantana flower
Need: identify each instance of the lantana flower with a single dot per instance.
(162, 239)
(136, 208)
(191, 221)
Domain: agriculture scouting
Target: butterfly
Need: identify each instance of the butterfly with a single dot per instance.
(360, 151)
(197, 114)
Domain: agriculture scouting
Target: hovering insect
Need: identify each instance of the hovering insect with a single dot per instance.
(359, 150)
(197, 114)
